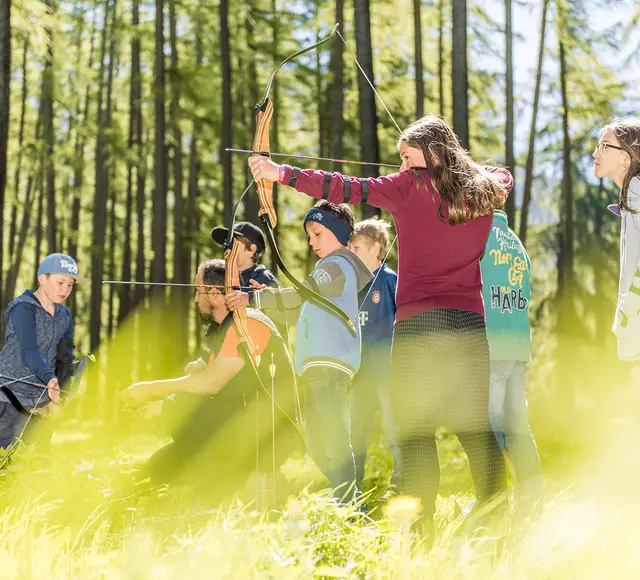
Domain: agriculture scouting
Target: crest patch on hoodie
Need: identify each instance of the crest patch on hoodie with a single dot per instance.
(321, 276)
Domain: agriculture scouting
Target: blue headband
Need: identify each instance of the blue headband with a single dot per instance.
(341, 230)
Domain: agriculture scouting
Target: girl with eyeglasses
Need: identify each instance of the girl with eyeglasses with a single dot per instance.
(618, 156)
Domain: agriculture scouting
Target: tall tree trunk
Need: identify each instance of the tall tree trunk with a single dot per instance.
(33, 182)
(17, 176)
(441, 56)
(567, 179)
(14, 270)
(417, 27)
(5, 100)
(179, 298)
(251, 202)
(227, 112)
(275, 120)
(459, 72)
(100, 197)
(141, 170)
(111, 319)
(321, 93)
(112, 194)
(528, 179)
(179, 273)
(159, 224)
(37, 253)
(337, 90)
(369, 146)
(49, 138)
(510, 206)
(78, 171)
(75, 128)
(194, 165)
(132, 144)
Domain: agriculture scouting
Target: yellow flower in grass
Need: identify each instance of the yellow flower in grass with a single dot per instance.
(404, 509)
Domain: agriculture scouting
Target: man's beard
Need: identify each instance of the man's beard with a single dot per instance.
(205, 317)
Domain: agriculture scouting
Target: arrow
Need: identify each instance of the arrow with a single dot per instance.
(132, 283)
(266, 154)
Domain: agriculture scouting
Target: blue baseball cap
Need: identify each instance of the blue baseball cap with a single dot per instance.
(60, 264)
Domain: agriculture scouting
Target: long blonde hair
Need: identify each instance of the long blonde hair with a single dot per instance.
(628, 133)
(469, 191)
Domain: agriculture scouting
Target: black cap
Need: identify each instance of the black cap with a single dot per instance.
(250, 231)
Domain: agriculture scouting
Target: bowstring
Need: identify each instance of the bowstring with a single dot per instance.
(382, 265)
(375, 92)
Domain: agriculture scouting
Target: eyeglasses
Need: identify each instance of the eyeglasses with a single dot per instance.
(602, 147)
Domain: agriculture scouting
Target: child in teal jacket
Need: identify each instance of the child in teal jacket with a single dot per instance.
(507, 292)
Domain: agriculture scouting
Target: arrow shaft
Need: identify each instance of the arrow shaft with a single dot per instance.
(135, 283)
(265, 153)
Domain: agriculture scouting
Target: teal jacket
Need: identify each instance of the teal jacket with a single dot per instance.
(506, 291)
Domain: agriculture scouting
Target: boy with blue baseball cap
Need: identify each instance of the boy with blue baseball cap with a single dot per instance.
(38, 345)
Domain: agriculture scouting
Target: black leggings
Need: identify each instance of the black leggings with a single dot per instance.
(440, 375)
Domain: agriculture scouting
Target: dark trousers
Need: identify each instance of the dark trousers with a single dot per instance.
(213, 443)
(328, 425)
(440, 375)
(219, 442)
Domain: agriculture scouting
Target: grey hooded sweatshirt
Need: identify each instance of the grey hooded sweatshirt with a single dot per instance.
(30, 347)
(626, 325)
(322, 339)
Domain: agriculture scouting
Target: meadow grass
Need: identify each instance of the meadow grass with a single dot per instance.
(70, 509)
(62, 516)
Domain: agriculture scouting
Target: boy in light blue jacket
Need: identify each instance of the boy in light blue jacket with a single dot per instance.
(507, 292)
(327, 355)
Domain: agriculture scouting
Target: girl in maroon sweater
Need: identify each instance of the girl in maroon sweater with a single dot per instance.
(442, 204)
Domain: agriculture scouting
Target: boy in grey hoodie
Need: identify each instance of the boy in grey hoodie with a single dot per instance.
(327, 351)
(38, 344)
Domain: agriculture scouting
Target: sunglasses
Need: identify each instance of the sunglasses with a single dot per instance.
(602, 147)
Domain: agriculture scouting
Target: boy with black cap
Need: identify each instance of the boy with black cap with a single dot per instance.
(250, 255)
(249, 268)
(327, 352)
(38, 344)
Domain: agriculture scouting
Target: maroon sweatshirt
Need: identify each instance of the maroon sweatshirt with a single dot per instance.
(438, 264)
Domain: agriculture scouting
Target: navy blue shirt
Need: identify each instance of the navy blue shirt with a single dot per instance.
(377, 315)
(260, 274)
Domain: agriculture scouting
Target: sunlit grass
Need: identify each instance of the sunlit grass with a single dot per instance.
(60, 517)
(74, 508)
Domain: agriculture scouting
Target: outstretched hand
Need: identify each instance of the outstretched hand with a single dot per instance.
(193, 367)
(136, 395)
(263, 168)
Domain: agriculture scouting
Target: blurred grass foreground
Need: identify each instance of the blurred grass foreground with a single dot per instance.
(72, 505)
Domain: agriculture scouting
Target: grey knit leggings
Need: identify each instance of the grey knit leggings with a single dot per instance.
(440, 375)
